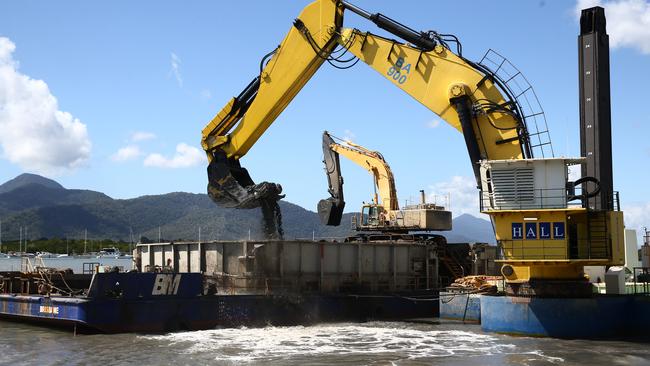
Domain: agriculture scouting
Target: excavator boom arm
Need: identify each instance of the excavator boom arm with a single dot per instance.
(378, 168)
(330, 209)
(242, 121)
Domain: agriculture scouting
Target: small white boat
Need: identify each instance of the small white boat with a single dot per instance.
(46, 255)
(111, 252)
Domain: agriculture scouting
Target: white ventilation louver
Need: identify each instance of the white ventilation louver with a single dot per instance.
(514, 188)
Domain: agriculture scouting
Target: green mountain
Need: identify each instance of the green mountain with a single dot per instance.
(44, 208)
(468, 228)
(25, 179)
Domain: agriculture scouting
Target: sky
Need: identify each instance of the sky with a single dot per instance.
(112, 95)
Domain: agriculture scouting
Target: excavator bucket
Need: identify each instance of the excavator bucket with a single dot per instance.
(330, 209)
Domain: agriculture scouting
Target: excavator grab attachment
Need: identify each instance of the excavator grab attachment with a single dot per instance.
(230, 185)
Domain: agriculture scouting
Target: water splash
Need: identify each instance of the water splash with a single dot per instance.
(375, 342)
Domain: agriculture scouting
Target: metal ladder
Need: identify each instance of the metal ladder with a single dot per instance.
(515, 86)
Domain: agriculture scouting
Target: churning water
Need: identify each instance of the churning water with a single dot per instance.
(372, 343)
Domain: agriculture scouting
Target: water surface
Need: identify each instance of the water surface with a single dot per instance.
(371, 343)
(76, 264)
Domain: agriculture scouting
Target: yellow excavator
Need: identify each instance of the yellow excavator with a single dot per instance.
(548, 228)
(383, 213)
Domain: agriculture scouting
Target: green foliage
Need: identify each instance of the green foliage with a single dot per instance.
(62, 246)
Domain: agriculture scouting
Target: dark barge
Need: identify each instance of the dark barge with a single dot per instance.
(193, 286)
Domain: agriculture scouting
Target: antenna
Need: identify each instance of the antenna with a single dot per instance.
(85, 239)
(130, 240)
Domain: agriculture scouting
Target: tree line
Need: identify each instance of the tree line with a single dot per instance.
(63, 245)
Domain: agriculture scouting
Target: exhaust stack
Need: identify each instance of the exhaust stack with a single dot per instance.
(595, 109)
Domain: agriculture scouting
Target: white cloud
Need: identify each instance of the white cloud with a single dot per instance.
(126, 153)
(142, 136)
(637, 215)
(433, 123)
(176, 63)
(186, 156)
(575, 172)
(463, 194)
(348, 135)
(628, 22)
(205, 94)
(35, 134)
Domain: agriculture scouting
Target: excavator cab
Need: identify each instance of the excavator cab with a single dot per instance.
(371, 215)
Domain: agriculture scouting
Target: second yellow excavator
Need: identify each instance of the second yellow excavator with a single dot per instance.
(383, 213)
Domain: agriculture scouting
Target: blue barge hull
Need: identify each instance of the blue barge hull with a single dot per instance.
(460, 306)
(150, 302)
(585, 318)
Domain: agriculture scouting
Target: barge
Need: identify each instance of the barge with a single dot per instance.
(194, 286)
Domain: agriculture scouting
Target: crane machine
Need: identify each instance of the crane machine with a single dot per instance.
(547, 228)
(383, 213)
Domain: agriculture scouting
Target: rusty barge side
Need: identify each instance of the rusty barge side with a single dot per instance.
(277, 267)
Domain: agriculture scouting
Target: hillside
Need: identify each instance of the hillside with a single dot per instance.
(47, 209)
(468, 228)
(26, 179)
